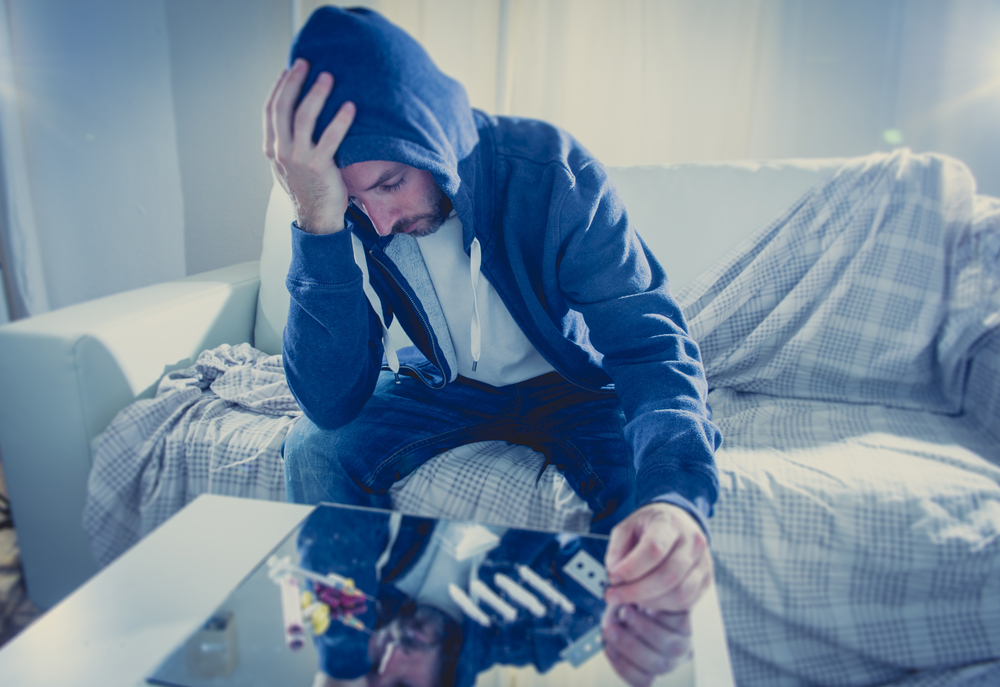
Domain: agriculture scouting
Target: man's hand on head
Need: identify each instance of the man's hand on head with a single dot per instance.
(307, 171)
(658, 559)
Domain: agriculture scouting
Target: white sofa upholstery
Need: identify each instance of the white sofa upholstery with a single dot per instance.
(65, 374)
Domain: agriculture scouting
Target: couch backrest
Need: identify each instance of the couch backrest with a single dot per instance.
(690, 215)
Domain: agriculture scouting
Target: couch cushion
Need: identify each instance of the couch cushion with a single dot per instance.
(689, 214)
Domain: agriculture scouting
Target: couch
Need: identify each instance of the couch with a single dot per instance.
(66, 374)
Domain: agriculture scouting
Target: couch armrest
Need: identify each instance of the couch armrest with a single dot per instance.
(65, 374)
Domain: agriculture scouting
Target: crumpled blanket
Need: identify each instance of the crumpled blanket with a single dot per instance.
(853, 354)
(857, 533)
(874, 288)
(215, 427)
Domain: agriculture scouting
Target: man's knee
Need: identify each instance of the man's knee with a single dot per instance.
(310, 448)
(303, 438)
(323, 465)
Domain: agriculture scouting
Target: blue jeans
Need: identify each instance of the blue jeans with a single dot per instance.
(404, 425)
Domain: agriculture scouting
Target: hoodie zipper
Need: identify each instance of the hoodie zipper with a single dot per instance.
(423, 320)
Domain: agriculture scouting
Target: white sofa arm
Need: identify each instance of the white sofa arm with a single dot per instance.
(64, 376)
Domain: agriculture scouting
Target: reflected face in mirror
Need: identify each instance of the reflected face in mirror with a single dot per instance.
(407, 651)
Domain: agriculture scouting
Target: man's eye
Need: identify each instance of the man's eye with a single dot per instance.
(394, 187)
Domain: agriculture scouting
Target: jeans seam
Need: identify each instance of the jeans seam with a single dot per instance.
(569, 448)
(424, 442)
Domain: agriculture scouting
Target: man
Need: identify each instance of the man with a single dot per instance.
(527, 293)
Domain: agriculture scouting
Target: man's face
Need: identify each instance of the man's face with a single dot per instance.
(398, 199)
(405, 653)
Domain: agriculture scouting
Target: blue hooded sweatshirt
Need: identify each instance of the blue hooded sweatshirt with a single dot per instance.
(556, 245)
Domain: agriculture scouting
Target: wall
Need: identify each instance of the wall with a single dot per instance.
(98, 132)
(225, 56)
(4, 311)
(646, 81)
(141, 132)
(948, 97)
(141, 120)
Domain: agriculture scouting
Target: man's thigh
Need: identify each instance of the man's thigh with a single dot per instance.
(398, 429)
(583, 433)
(404, 425)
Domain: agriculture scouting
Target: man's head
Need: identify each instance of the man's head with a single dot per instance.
(398, 198)
(418, 648)
(407, 110)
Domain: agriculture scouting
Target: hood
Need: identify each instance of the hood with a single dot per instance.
(407, 110)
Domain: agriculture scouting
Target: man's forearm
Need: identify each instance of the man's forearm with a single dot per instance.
(332, 349)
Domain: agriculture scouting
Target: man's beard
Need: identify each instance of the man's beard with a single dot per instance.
(432, 220)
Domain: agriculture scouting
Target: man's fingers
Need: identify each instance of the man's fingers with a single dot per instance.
(654, 545)
(683, 596)
(629, 643)
(335, 131)
(679, 623)
(626, 669)
(623, 538)
(659, 629)
(268, 116)
(638, 636)
(675, 586)
(641, 645)
(284, 104)
(307, 112)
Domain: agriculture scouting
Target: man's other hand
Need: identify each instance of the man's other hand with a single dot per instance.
(641, 645)
(307, 172)
(657, 559)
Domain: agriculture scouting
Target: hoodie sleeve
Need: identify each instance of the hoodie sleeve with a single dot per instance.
(332, 345)
(608, 274)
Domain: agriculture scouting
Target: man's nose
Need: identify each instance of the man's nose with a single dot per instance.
(382, 217)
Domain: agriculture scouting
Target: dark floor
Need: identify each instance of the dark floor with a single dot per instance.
(16, 610)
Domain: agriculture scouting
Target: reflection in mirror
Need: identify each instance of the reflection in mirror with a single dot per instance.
(368, 597)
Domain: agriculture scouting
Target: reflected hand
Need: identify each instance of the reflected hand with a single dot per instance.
(640, 645)
(307, 172)
(657, 559)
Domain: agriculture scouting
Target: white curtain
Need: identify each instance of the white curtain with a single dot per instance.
(637, 81)
(640, 81)
(90, 163)
(654, 81)
(23, 276)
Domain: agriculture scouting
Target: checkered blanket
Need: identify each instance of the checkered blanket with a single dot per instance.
(854, 356)
(853, 351)
(215, 427)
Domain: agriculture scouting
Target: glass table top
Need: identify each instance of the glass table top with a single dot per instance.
(372, 597)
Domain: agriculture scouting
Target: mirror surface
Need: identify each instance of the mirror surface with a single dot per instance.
(373, 597)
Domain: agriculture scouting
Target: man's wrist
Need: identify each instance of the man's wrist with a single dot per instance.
(319, 228)
(697, 509)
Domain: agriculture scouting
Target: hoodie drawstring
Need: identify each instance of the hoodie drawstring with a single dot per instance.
(373, 300)
(476, 258)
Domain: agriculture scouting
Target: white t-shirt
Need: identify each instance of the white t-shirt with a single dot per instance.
(507, 356)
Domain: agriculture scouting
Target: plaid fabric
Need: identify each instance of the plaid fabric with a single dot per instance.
(853, 351)
(496, 482)
(215, 427)
(874, 288)
(857, 534)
